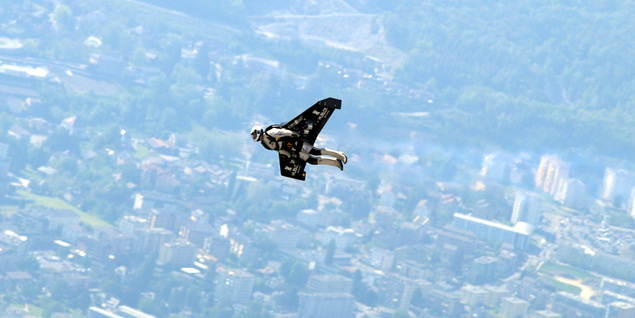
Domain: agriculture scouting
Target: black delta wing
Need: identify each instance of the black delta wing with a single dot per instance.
(308, 124)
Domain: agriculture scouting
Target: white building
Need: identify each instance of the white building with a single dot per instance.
(496, 166)
(571, 193)
(489, 231)
(550, 172)
(527, 208)
(617, 186)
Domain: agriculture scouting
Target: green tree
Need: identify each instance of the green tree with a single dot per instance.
(299, 275)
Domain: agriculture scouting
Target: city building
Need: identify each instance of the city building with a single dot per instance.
(527, 208)
(150, 240)
(331, 305)
(517, 236)
(96, 312)
(621, 310)
(631, 204)
(343, 238)
(512, 307)
(330, 284)
(495, 295)
(617, 187)
(234, 284)
(128, 312)
(550, 172)
(483, 270)
(575, 306)
(129, 224)
(13, 250)
(178, 253)
(473, 295)
(571, 193)
(618, 286)
(399, 290)
(545, 314)
(413, 270)
(284, 234)
(445, 302)
(4, 160)
(496, 166)
(382, 258)
(461, 238)
(313, 218)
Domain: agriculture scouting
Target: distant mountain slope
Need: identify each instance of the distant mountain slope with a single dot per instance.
(334, 23)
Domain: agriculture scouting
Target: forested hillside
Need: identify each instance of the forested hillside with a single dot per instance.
(539, 73)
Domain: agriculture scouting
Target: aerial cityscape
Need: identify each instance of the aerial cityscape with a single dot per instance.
(130, 186)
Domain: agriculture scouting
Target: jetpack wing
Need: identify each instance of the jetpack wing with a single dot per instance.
(310, 122)
(292, 167)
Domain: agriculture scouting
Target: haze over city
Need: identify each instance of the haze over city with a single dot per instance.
(490, 159)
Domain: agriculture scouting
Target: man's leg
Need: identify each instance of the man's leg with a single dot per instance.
(314, 160)
(328, 152)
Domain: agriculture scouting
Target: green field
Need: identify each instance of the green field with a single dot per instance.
(557, 269)
(57, 203)
(560, 286)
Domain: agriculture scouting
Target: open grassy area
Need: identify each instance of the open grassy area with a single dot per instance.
(57, 203)
(558, 269)
(560, 286)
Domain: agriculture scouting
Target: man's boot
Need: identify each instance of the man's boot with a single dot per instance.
(331, 162)
(335, 154)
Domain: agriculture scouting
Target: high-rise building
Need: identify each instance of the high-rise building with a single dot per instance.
(617, 186)
(571, 193)
(496, 166)
(327, 305)
(234, 284)
(527, 208)
(550, 172)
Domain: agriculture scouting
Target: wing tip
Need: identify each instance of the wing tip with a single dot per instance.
(332, 102)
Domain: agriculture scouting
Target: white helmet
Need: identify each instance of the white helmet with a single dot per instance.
(256, 133)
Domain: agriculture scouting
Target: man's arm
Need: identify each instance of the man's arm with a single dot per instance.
(282, 132)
